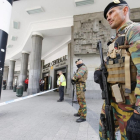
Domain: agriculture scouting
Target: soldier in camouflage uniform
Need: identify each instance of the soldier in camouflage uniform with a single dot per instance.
(123, 66)
(80, 77)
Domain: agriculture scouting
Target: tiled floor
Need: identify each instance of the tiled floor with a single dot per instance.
(42, 118)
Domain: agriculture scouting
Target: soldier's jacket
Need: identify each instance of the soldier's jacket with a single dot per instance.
(132, 38)
(81, 74)
(123, 111)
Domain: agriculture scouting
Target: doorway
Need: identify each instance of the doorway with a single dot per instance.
(47, 81)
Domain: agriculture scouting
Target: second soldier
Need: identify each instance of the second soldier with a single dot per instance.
(80, 78)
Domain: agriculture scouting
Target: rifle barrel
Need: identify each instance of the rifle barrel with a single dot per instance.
(107, 95)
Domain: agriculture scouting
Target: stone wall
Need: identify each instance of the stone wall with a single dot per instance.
(88, 29)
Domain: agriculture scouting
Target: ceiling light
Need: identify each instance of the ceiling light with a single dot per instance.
(14, 38)
(16, 24)
(35, 10)
(9, 46)
(83, 2)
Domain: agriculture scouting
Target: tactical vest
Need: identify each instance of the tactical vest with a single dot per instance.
(121, 70)
(84, 77)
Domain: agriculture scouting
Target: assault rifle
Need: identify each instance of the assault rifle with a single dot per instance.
(73, 83)
(107, 119)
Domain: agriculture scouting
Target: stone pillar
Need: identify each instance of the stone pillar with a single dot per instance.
(35, 63)
(69, 86)
(42, 64)
(5, 74)
(11, 74)
(71, 59)
(24, 68)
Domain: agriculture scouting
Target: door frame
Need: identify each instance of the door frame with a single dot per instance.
(45, 73)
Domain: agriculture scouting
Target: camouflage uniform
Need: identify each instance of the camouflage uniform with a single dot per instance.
(123, 111)
(81, 77)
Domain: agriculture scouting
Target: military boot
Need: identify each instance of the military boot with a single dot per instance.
(80, 120)
(77, 115)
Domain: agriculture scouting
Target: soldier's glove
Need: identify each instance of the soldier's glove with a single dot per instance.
(133, 126)
(73, 81)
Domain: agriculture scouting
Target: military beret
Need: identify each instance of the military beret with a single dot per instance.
(114, 4)
(78, 60)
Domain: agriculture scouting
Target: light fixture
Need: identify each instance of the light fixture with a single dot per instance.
(9, 46)
(83, 2)
(16, 24)
(35, 10)
(14, 38)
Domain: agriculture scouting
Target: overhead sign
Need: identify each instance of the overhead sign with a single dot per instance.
(57, 61)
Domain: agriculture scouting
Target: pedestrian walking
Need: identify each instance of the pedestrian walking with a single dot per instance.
(26, 83)
(41, 83)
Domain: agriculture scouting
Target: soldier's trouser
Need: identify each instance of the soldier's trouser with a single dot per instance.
(122, 113)
(81, 100)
